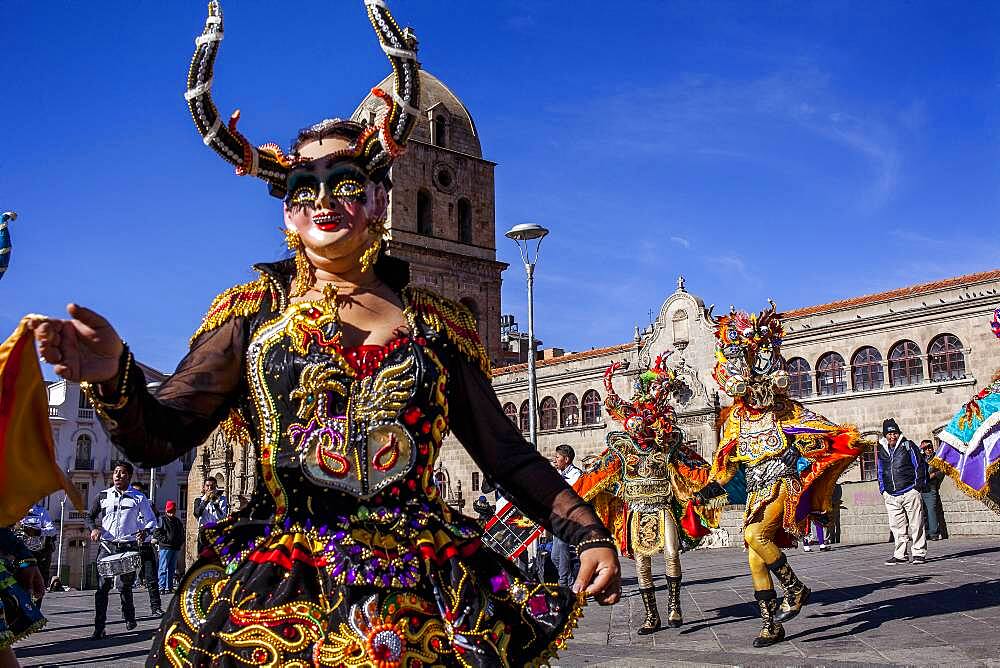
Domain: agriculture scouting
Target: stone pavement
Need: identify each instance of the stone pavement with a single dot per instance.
(946, 611)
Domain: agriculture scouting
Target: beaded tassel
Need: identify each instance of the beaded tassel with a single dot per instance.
(303, 269)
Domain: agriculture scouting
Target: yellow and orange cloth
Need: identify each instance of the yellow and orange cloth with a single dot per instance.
(28, 468)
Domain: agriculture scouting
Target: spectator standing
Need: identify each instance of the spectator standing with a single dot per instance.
(902, 476)
(483, 508)
(932, 497)
(170, 535)
(563, 555)
(210, 507)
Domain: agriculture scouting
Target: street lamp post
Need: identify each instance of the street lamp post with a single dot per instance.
(522, 235)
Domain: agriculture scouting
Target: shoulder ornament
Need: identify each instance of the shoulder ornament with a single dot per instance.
(238, 301)
(450, 319)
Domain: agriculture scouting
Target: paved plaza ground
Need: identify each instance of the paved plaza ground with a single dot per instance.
(945, 612)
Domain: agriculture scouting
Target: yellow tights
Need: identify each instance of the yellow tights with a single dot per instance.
(759, 538)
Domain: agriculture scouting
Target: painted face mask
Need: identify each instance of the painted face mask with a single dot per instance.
(748, 358)
(647, 415)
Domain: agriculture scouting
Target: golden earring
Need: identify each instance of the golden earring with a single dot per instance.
(379, 232)
(303, 269)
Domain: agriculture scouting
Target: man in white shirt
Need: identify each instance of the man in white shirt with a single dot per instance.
(125, 517)
(563, 554)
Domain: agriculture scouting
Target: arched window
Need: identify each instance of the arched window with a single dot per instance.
(525, 427)
(866, 369)
(591, 407)
(947, 361)
(799, 378)
(425, 219)
(548, 413)
(464, 221)
(905, 365)
(569, 411)
(438, 128)
(510, 410)
(831, 377)
(84, 453)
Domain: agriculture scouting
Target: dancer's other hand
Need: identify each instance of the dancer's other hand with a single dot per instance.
(84, 348)
(600, 575)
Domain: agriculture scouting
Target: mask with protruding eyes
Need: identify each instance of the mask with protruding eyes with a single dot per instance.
(341, 181)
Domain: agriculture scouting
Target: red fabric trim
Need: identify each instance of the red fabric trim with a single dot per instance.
(692, 524)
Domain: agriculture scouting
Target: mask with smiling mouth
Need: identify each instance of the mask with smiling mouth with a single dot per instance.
(748, 365)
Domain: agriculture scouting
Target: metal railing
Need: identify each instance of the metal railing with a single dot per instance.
(86, 414)
(81, 464)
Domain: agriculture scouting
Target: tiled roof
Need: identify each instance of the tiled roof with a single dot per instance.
(572, 357)
(898, 293)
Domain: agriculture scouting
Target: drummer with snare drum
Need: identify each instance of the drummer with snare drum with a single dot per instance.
(125, 517)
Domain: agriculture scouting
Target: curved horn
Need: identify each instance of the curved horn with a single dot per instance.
(5, 218)
(400, 46)
(612, 402)
(266, 162)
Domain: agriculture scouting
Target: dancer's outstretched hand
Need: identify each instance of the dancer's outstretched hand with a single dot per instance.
(85, 347)
(600, 575)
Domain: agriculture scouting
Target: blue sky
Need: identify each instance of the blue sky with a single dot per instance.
(800, 151)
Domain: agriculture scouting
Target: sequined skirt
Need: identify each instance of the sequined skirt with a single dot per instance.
(292, 601)
(19, 616)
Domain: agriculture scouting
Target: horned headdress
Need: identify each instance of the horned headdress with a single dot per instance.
(748, 360)
(373, 152)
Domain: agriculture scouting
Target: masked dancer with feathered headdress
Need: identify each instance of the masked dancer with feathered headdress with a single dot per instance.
(641, 485)
(346, 380)
(788, 457)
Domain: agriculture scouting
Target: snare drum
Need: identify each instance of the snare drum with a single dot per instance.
(118, 564)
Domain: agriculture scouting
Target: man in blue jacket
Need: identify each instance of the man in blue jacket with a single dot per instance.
(902, 476)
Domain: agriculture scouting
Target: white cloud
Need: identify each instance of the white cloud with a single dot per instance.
(681, 241)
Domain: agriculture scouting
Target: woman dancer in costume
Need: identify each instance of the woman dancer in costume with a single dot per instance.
(21, 589)
(641, 485)
(970, 445)
(790, 457)
(347, 379)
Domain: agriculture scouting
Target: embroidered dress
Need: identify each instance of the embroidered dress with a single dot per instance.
(19, 615)
(346, 555)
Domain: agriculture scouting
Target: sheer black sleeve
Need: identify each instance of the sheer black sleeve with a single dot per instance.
(526, 478)
(154, 430)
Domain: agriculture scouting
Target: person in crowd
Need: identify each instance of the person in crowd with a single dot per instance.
(40, 537)
(170, 536)
(483, 508)
(902, 477)
(932, 496)
(211, 507)
(147, 552)
(563, 556)
(122, 512)
(21, 592)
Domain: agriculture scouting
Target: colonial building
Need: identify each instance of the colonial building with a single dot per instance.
(85, 452)
(915, 353)
(442, 206)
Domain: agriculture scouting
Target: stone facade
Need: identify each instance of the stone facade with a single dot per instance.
(922, 314)
(442, 209)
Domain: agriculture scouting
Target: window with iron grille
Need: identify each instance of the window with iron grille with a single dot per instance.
(867, 459)
(591, 407)
(866, 369)
(946, 358)
(475, 481)
(831, 377)
(905, 364)
(548, 414)
(799, 378)
(569, 411)
(510, 410)
(524, 417)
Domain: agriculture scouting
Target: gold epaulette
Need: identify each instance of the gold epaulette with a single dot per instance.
(237, 301)
(451, 319)
(234, 429)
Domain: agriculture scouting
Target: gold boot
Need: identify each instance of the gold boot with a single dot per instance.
(771, 631)
(796, 593)
(674, 617)
(652, 622)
